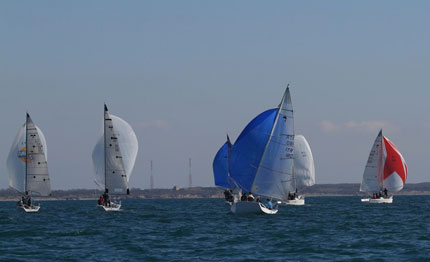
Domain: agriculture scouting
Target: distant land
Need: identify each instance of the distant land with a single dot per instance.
(351, 189)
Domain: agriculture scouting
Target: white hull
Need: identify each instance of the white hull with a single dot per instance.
(365, 199)
(298, 201)
(245, 207)
(381, 200)
(113, 206)
(31, 209)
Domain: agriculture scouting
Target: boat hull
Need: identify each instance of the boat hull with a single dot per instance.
(381, 200)
(298, 201)
(245, 207)
(31, 209)
(365, 199)
(113, 207)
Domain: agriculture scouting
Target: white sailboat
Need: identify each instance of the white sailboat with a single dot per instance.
(113, 157)
(262, 158)
(27, 165)
(304, 169)
(385, 171)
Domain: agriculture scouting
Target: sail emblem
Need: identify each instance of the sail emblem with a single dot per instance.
(22, 154)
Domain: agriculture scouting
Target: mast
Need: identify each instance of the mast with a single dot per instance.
(104, 137)
(26, 153)
(190, 180)
(380, 161)
(151, 179)
(228, 155)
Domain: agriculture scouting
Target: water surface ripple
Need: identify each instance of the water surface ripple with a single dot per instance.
(326, 229)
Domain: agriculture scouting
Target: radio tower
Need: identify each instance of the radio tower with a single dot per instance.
(190, 179)
(151, 179)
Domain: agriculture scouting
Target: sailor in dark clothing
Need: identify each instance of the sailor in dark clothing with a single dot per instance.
(385, 192)
(244, 197)
(228, 195)
(106, 199)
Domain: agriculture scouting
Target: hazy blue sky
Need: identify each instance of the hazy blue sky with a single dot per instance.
(184, 73)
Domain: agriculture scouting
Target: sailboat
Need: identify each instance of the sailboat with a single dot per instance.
(221, 166)
(385, 171)
(27, 165)
(304, 169)
(113, 157)
(262, 159)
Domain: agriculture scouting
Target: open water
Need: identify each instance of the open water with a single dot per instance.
(326, 229)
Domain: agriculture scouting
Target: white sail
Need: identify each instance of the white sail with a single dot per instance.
(127, 142)
(274, 174)
(28, 169)
(38, 181)
(114, 155)
(371, 181)
(304, 168)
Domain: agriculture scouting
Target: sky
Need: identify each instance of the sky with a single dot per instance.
(186, 73)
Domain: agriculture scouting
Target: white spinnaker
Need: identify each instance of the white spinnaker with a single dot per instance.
(372, 173)
(16, 161)
(17, 157)
(393, 183)
(128, 143)
(98, 157)
(274, 174)
(128, 146)
(304, 167)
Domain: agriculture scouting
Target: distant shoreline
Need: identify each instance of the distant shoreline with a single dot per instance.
(318, 190)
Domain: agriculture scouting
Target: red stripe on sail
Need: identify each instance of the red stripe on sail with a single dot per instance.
(394, 161)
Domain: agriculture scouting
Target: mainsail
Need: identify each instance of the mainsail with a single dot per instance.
(304, 168)
(262, 159)
(385, 168)
(27, 161)
(114, 154)
(221, 165)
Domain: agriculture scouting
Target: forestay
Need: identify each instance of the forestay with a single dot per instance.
(304, 168)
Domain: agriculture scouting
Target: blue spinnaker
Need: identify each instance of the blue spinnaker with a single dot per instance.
(249, 147)
(220, 166)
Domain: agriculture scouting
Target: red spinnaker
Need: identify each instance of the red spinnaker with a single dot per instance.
(394, 161)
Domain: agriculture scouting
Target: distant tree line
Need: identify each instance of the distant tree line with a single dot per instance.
(214, 192)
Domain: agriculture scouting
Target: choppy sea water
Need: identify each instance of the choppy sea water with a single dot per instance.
(325, 229)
